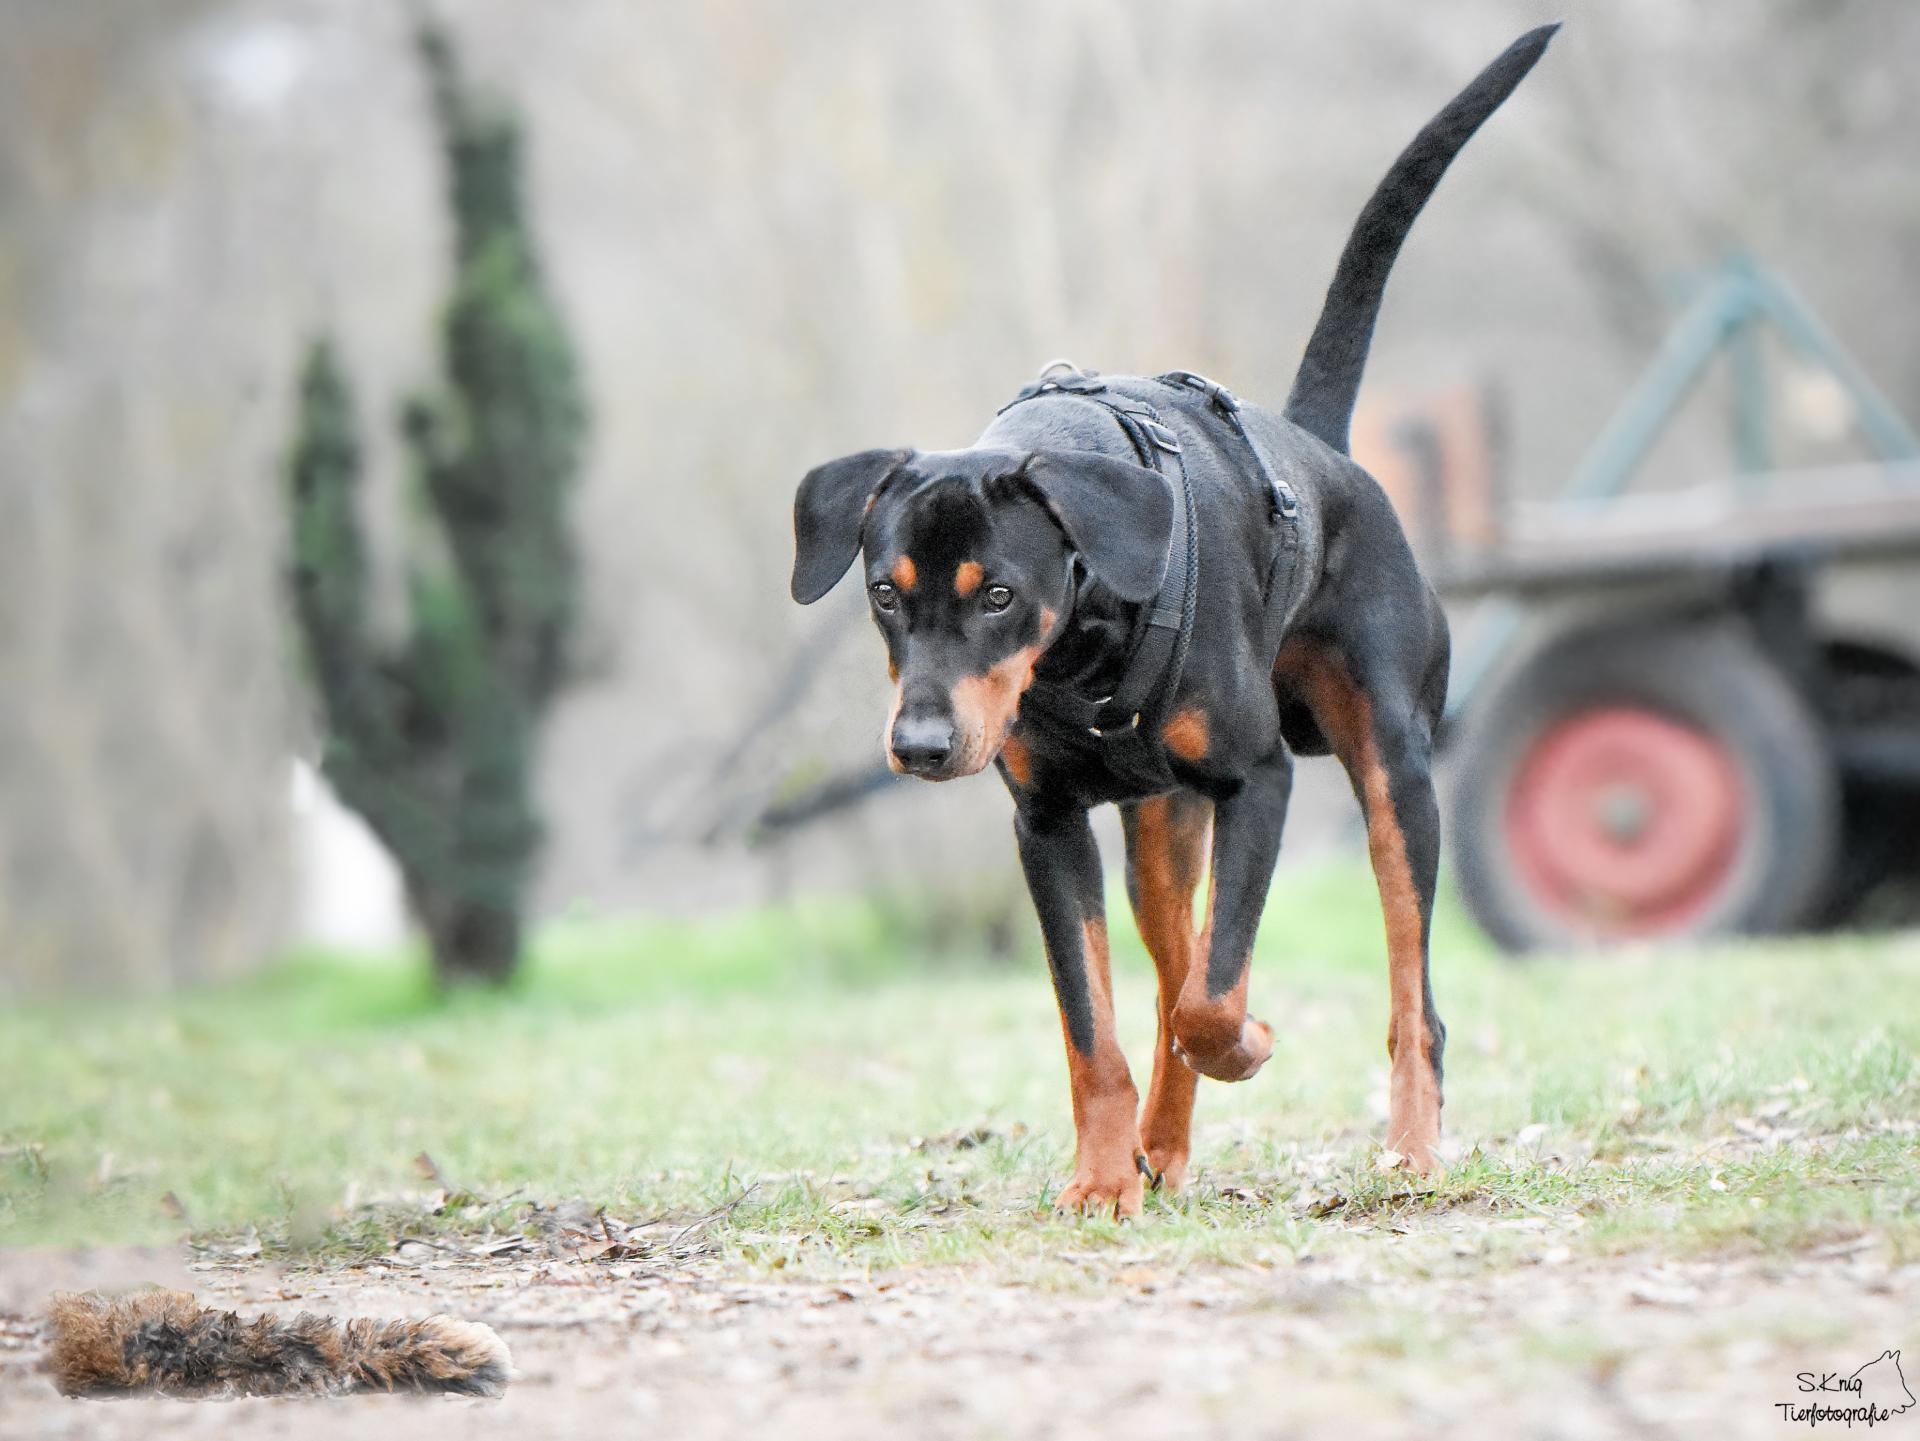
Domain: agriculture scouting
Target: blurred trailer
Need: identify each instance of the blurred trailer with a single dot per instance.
(1684, 714)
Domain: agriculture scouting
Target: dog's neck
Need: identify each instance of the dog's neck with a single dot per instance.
(1090, 653)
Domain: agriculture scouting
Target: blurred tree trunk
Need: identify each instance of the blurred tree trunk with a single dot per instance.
(476, 938)
(432, 741)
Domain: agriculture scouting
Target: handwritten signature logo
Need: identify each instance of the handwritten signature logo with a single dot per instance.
(1876, 1392)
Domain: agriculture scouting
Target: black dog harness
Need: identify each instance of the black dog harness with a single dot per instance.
(1157, 659)
(1159, 651)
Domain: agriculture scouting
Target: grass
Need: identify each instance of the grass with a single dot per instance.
(852, 1111)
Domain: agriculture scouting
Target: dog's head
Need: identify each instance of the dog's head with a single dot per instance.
(969, 563)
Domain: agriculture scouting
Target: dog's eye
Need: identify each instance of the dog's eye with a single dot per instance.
(885, 597)
(997, 598)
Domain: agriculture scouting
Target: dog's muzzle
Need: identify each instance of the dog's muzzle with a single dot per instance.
(922, 745)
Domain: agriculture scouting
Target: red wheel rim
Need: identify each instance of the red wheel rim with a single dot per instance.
(1624, 822)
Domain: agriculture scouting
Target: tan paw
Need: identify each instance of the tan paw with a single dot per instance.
(1413, 1118)
(1237, 1062)
(1411, 1155)
(1103, 1193)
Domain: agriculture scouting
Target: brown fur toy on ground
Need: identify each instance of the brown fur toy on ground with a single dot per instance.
(165, 1343)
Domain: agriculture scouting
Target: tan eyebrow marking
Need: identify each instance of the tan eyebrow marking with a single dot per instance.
(905, 574)
(966, 580)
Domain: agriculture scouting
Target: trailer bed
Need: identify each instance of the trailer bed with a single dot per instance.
(1852, 513)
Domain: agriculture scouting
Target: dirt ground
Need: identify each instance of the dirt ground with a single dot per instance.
(1556, 1345)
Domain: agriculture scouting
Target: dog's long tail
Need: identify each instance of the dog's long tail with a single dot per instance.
(165, 1343)
(1329, 378)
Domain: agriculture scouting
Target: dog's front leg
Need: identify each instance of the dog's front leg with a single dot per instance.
(1215, 1034)
(1166, 856)
(1062, 864)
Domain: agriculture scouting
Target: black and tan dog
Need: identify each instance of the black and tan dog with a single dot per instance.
(1139, 591)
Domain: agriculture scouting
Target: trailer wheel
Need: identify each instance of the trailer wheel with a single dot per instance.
(1646, 785)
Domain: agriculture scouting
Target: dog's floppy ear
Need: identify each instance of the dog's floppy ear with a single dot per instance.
(1118, 516)
(827, 511)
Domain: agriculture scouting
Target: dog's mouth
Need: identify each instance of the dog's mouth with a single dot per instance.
(921, 770)
(973, 757)
(936, 774)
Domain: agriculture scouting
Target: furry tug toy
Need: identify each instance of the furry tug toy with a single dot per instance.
(164, 1343)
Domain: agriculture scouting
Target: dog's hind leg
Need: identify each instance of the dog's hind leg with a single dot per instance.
(1062, 865)
(1384, 737)
(1211, 1027)
(1166, 851)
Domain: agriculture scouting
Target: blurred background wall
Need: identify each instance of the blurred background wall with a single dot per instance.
(781, 233)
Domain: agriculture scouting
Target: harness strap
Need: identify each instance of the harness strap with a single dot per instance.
(1152, 672)
(1151, 675)
(1284, 570)
(1154, 669)
(1227, 404)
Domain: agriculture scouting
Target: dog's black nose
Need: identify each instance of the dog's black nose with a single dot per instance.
(922, 743)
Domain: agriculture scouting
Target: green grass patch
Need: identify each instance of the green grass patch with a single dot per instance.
(806, 1089)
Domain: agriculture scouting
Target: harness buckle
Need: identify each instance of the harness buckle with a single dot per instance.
(1223, 399)
(1162, 437)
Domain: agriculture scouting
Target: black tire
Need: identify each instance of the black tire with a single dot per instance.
(1709, 677)
(1877, 879)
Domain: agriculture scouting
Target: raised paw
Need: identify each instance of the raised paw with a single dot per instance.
(1236, 1062)
(1103, 1193)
